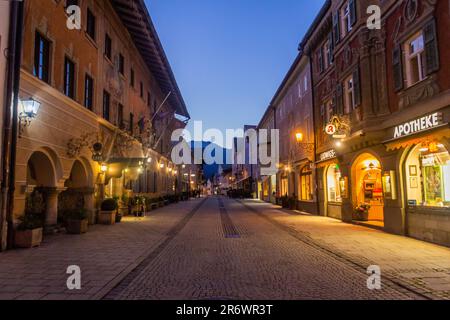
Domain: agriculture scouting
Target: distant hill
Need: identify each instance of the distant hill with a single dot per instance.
(210, 171)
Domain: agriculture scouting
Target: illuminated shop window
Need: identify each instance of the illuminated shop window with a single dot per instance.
(333, 178)
(306, 182)
(428, 175)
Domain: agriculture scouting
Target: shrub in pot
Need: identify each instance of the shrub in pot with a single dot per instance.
(361, 212)
(77, 221)
(29, 231)
(108, 211)
(292, 203)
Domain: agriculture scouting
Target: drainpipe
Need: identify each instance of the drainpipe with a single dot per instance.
(315, 135)
(11, 123)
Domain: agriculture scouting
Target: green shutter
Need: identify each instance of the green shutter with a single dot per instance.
(397, 67)
(338, 103)
(357, 87)
(331, 44)
(336, 29)
(431, 48)
(352, 6)
(321, 64)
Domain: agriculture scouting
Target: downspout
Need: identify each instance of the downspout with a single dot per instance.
(17, 12)
(315, 135)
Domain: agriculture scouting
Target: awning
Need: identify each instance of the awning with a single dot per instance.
(436, 133)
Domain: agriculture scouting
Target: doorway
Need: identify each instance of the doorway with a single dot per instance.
(368, 197)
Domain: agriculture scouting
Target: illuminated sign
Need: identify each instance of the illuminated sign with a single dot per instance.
(418, 125)
(330, 129)
(331, 154)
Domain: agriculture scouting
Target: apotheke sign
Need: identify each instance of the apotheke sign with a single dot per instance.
(418, 125)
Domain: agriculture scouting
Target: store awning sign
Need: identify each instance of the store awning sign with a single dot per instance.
(330, 154)
(418, 125)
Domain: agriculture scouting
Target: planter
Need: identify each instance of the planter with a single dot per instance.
(77, 226)
(28, 238)
(361, 216)
(107, 217)
(118, 218)
(154, 206)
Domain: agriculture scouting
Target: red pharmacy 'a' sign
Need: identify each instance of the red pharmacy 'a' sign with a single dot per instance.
(330, 129)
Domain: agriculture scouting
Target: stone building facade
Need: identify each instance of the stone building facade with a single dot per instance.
(108, 101)
(381, 109)
(380, 101)
(292, 105)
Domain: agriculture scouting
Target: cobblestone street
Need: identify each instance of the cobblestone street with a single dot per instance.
(217, 248)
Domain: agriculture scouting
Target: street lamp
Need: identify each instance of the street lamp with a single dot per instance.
(30, 108)
(305, 146)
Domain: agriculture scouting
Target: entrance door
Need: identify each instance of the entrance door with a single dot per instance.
(368, 193)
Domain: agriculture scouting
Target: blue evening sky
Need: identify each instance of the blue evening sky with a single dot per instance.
(230, 56)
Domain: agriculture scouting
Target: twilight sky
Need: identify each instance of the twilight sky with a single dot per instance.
(230, 56)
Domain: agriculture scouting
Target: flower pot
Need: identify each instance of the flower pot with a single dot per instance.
(28, 238)
(118, 218)
(77, 226)
(364, 216)
(107, 217)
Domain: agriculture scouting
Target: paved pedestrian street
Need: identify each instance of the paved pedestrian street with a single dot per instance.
(217, 248)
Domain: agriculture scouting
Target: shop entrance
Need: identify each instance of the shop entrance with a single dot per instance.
(368, 199)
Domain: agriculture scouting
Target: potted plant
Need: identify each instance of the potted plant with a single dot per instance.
(29, 231)
(285, 202)
(292, 203)
(108, 211)
(361, 212)
(77, 221)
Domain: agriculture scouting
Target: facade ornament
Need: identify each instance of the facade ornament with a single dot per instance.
(75, 145)
(411, 10)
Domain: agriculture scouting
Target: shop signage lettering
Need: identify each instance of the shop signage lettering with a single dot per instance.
(331, 154)
(418, 125)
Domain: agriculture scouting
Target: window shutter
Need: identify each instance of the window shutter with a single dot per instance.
(321, 64)
(357, 87)
(336, 29)
(397, 68)
(352, 7)
(431, 48)
(338, 105)
(331, 44)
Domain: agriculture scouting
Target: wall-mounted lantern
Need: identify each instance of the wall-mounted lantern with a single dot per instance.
(97, 152)
(30, 108)
(306, 147)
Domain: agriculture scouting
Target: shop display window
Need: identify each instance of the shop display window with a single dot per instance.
(333, 187)
(428, 175)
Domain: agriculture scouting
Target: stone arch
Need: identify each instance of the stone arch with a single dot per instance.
(57, 164)
(41, 170)
(78, 176)
(367, 183)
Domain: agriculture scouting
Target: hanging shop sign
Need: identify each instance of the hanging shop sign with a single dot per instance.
(327, 155)
(418, 125)
(338, 127)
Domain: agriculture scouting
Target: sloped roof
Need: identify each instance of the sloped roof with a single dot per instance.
(135, 17)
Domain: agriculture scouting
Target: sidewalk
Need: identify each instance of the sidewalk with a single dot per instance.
(106, 254)
(418, 265)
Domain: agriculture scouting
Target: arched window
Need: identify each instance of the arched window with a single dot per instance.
(428, 175)
(333, 178)
(306, 183)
